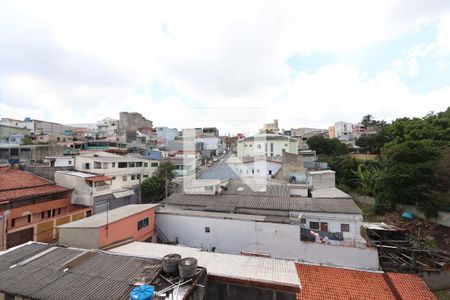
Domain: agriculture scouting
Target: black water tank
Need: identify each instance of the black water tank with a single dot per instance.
(187, 267)
(170, 263)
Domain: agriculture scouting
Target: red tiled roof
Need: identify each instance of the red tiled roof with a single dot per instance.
(98, 178)
(320, 282)
(17, 179)
(17, 184)
(410, 286)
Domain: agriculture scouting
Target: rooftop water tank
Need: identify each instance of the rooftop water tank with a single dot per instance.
(187, 267)
(142, 292)
(170, 263)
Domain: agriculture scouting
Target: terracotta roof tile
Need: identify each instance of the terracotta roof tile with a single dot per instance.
(17, 184)
(17, 179)
(320, 282)
(410, 286)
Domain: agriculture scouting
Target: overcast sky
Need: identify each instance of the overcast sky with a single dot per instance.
(239, 63)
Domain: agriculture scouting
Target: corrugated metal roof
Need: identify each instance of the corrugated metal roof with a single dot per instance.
(232, 203)
(98, 275)
(114, 215)
(246, 268)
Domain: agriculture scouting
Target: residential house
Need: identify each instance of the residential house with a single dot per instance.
(31, 207)
(266, 145)
(126, 173)
(271, 127)
(343, 131)
(12, 135)
(165, 134)
(271, 218)
(129, 124)
(107, 128)
(134, 222)
(60, 161)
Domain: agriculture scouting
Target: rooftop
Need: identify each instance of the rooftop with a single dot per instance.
(272, 196)
(41, 271)
(114, 215)
(329, 193)
(16, 184)
(77, 173)
(323, 282)
(258, 271)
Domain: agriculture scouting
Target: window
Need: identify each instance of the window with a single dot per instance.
(59, 211)
(105, 165)
(97, 165)
(53, 212)
(138, 164)
(258, 146)
(271, 147)
(145, 176)
(88, 213)
(142, 223)
(251, 145)
(113, 164)
(123, 165)
(113, 178)
(313, 225)
(124, 178)
(43, 215)
(345, 227)
(154, 164)
(131, 164)
(207, 230)
(13, 222)
(138, 176)
(133, 177)
(49, 213)
(69, 162)
(285, 145)
(87, 166)
(145, 165)
(29, 218)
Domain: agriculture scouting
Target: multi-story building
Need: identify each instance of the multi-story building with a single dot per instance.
(108, 127)
(267, 145)
(165, 134)
(211, 131)
(126, 172)
(129, 123)
(343, 131)
(271, 127)
(31, 207)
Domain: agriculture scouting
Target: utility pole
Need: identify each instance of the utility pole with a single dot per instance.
(166, 184)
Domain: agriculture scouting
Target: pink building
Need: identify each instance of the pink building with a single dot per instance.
(134, 222)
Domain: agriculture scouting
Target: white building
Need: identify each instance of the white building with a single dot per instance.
(126, 172)
(268, 145)
(60, 161)
(165, 134)
(92, 190)
(271, 127)
(108, 127)
(259, 167)
(272, 220)
(209, 143)
(343, 130)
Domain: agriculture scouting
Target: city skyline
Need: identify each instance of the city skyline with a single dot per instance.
(385, 59)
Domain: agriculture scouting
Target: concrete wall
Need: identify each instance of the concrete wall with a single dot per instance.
(279, 240)
(231, 291)
(87, 238)
(437, 281)
(44, 171)
(322, 180)
(81, 194)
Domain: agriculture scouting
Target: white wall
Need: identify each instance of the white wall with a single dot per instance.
(82, 192)
(279, 240)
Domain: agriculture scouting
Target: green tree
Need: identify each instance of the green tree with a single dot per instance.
(27, 141)
(324, 146)
(154, 188)
(409, 174)
(371, 143)
(366, 177)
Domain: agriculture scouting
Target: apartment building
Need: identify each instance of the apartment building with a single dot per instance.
(267, 145)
